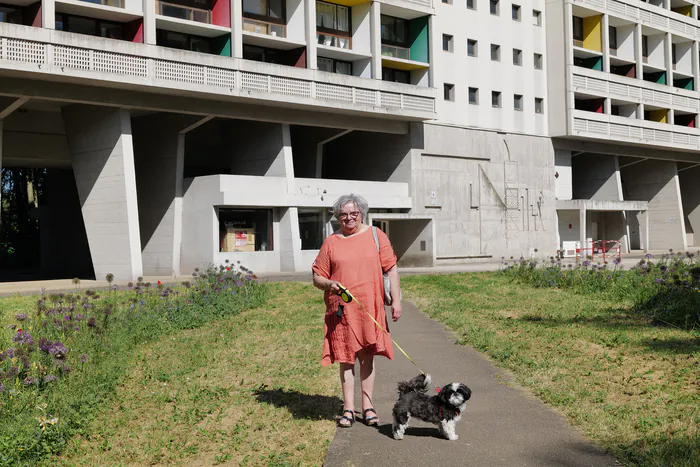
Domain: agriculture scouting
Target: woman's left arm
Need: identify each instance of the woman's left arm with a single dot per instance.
(396, 308)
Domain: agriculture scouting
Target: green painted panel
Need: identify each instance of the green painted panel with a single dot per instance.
(222, 45)
(418, 38)
(594, 63)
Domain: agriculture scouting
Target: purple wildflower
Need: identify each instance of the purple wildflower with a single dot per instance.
(12, 326)
(29, 380)
(50, 378)
(617, 261)
(21, 317)
(83, 358)
(79, 317)
(648, 255)
(91, 322)
(23, 337)
(239, 284)
(659, 280)
(2, 387)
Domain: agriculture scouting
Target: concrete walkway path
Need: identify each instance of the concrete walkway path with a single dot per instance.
(502, 425)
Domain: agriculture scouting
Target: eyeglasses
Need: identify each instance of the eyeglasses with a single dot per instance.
(346, 215)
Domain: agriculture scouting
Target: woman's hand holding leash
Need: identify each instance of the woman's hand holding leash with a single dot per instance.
(396, 310)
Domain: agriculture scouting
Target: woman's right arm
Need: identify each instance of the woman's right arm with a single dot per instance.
(325, 284)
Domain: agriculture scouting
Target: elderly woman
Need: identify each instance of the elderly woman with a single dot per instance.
(350, 258)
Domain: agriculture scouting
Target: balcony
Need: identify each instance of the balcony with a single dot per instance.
(43, 54)
(186, 13)
(264, 27)
(112, 3)
(633, 131)
(111, 10)
(334, 40)
(393, 51)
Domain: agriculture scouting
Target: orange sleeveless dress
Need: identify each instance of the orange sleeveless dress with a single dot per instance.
(354, 262)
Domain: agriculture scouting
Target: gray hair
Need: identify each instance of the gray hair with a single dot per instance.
(360, 203)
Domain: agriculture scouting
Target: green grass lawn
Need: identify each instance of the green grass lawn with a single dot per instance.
(632, 387)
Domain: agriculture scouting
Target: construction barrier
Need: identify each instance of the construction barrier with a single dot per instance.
(600, 248)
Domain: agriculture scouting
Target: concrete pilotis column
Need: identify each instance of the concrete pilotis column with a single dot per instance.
(375, 29)
(310, 10)
(149, 21)
(290, 240)
(582, 230)
(99, 139)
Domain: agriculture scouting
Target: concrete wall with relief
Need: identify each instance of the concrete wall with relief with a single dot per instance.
(491, 194)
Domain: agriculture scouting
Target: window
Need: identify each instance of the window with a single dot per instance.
(396, 76)
(536, 18)
(494, 7)
(517, 57)
(334, 66)
(472, 48)
(518, 102)
(471, 4)
(10, 14)
(645, 49)
(474, 96)
(331, 18)
(447, 2)
(515, 12)
(496, 99)
(245, 230)
(578, 31)
(538, 62)
(273, 11)
(495, 53)
(612, 37)
(449, 92)
(89, 26)
(277, 56)
(312, 224)
(394, 31)
(539, 105)
(447, 43)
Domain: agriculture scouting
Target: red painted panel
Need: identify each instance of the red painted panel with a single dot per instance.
(134, 31)
(31, 16)
(221, 13)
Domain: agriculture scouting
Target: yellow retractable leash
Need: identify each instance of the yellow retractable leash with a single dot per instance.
(347, 297)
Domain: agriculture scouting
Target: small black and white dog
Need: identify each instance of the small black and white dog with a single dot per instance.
(445, 409)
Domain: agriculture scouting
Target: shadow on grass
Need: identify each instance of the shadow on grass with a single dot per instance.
(681, 346)
(679, 452)
(301, 406)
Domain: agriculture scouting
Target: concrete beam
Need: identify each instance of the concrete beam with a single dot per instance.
(217, 107)
(19, 102)
(625, 150)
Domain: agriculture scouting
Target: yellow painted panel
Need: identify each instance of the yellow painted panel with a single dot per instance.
(396, 65)
(660, 116)
(684, 10)
(347, 2)
(592, 33)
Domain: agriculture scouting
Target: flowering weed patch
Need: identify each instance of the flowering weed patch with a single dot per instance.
(663, 289)
(62, 355)
(631, 385)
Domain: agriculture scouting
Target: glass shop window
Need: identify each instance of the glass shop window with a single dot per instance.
(311, 228)
(245, 230)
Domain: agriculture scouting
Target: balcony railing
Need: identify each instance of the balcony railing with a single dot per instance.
(264, 27)
(174, 10)
(113, 3)
(396, 52)
(334, 40)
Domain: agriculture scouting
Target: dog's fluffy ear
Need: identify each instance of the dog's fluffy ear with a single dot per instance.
(444, 394)
(467, 392)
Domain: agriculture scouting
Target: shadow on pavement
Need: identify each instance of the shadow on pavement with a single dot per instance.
(420, 432)
(300, 405)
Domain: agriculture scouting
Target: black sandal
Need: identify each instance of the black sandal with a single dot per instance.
(371, 421)
(351, 419)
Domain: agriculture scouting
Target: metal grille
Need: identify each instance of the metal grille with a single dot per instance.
(19, 50)
(333, 92)
(254, 82)
(71, 57)
(390, 101)
(120, 64)
(182, 72)
(418, 103)
(290, 86)
(512, 198)
(365, 96)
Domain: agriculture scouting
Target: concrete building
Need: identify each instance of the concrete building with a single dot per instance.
(623, 82)
(173, 134)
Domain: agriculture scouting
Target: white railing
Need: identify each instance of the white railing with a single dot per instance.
(657, 17)
(611, 127)
(598, 82)
(132, 69)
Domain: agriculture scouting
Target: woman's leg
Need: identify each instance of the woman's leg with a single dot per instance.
(366, 357)
(347, 381)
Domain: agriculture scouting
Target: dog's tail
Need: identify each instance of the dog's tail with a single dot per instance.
(417, 384)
